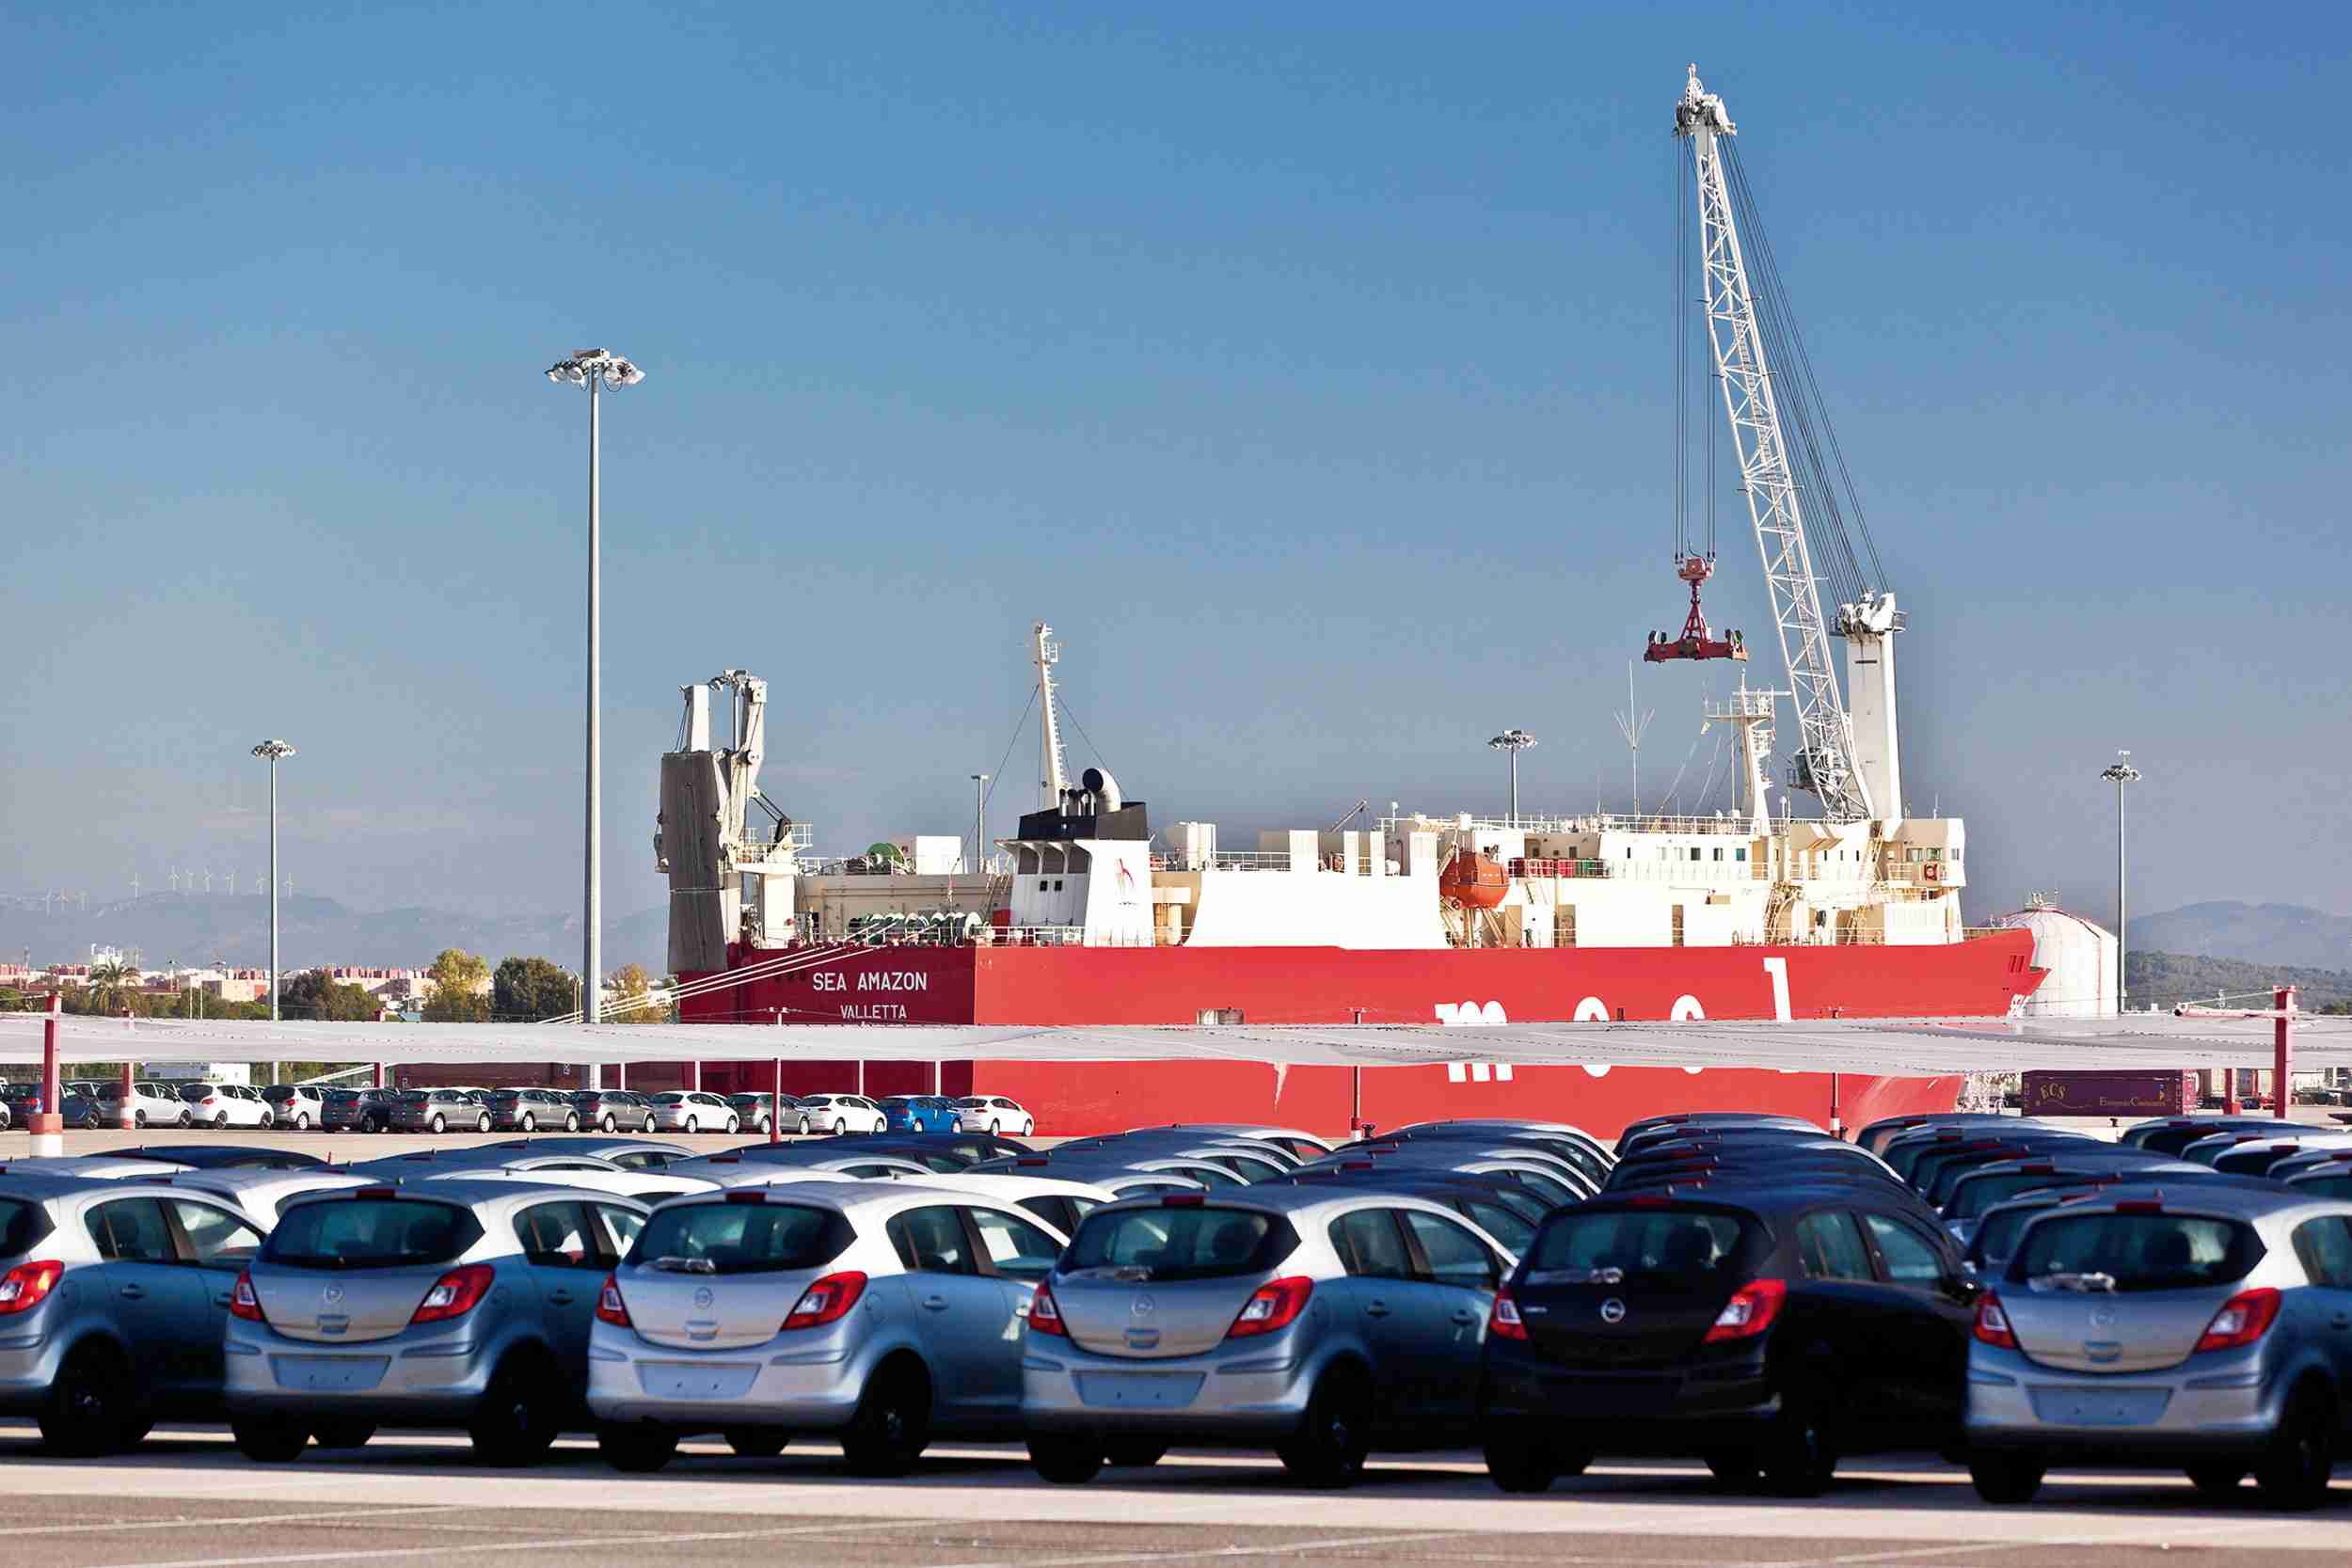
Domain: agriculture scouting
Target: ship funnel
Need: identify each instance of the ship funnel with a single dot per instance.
(1105, 790)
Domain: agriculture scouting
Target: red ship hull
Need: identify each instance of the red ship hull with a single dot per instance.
(1979, 977)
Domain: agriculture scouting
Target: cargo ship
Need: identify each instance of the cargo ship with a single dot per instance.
(1088, 914)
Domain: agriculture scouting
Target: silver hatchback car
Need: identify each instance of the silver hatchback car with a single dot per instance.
(876, 1314)
(112, 1297)
(453, 1303)
(2208, 1327)
(1318, 1323)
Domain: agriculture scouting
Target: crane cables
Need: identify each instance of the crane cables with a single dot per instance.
(1815, 461)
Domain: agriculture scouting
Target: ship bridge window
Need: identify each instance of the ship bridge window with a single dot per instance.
(1738, 854)
(1719, 854)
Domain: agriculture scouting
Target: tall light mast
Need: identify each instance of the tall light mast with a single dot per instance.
(1825, 745)
(1053, 780)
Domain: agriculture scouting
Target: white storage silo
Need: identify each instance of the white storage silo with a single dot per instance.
(2080, 955)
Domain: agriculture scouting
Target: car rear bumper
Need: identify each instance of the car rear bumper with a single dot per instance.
(418, 1379)
(1672, 1410)
(1217, 1398)
(2234, 1404)
(812, 1388)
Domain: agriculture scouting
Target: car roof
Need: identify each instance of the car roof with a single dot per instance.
(872, 1200)
(584, 1142)
(36, 1188)
(2250, 1200)
(458, 1192)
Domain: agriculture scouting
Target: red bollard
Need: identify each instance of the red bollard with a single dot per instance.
(2283, 1050)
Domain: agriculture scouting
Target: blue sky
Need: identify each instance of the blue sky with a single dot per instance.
(1306, 366)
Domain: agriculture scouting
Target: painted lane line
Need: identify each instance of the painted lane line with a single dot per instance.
(551, 1544)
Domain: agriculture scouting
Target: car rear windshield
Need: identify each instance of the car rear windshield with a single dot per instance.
(1651, 1244)
(193, 1091)
(1975, 1195)
(2325, 1186)
(2135, 1252)
(1189, 1243)
(21, 1224)
(741, 1238)
(370, 1234)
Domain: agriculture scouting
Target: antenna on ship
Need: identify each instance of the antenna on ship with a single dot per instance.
(1631, 728)
(1048, 652)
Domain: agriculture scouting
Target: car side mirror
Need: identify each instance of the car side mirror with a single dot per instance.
(1965, 1289)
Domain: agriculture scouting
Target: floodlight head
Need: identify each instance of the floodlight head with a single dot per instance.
(607, 369)
(1512, 740)
(2121, 771)
(273, 749)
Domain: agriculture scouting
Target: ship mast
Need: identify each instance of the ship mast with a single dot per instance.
(1825, 745)
(1046, 653)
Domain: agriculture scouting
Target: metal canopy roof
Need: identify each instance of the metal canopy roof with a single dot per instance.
(1900, 1046)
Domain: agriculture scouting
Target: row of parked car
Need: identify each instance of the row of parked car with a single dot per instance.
(1742, 1288)
(94, 1102)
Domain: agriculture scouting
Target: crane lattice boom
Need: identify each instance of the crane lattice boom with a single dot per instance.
(1825, 757)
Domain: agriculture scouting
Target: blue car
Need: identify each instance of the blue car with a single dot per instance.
(23, 1099)
(920, 1113)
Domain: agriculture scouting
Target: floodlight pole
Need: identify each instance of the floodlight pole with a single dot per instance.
(2122, 772)
(1513, 741)
(595, 369)
(273, 750)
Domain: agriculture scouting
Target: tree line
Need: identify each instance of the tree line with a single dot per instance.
(466, 990)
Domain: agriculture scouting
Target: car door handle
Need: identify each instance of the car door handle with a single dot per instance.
(221, 1299)
(934, 1304)
(136, 1292)
(1465, 1316)
(1376, 1310)
(560, 1298)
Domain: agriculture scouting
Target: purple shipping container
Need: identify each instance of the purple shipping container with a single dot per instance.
(2110, 1092)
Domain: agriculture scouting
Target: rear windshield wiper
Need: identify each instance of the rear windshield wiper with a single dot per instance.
(2084, 1282)
(684, 1265)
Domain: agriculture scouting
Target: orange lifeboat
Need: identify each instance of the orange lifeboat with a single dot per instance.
(1473, 881)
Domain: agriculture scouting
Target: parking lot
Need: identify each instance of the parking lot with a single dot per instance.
(187, 1500)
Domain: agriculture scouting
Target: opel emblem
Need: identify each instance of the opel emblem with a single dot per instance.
(1613, 1310)
(703, 1296)
(1144, 1306)
(2103, 1317)
(332, 1295)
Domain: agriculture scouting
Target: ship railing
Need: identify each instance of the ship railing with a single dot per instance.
(798, 840)
(1733, 825)
(1227, 860)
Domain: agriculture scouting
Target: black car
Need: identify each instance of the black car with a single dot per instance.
(965, 1149)
(1764, 1328)
(356, 1110)
(221, 1156)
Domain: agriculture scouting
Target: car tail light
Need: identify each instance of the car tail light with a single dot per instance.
(454, 1294)
(611, 1308)
(826, 1301)
(2243, 1318)
(1045, 1313)
(27, 1285)
(377, 1192)
(1749, 1313)
(1273, 1305)
(1992, 1324)
(243, 1302)
(2140, 1206)
(1183, 1201)
(746, 1194)
(1503, 1322)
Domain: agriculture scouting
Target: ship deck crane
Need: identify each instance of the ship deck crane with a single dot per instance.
(1789, 461)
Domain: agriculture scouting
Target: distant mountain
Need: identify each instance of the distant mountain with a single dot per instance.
(2168, 979)
(2274, 934)
(201, 929)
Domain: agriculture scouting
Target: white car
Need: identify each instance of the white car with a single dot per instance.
(295, 1106)
(994, 1115)
(691, 1111)
(841, 1113)
(226, 1106)
(152, 1105)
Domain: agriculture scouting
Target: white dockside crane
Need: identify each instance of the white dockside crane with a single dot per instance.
(1789, 463)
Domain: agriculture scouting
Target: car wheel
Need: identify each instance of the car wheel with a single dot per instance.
(734, 1126)
(637, 1448)
(767, 1124)
(270, 1439)
(1028, 1129)
(804, 1127)
(1066, 1458)
(1518, 1460)
(609, 1124)
(220, 1121)
(692, 1124)
(893, 1423)
(517, 1422)
(2006, 1478)
(571, 1121)
(2293, 1471)
(440, 1123)
(529, 1122)
(302, 1122)
(1800, 1457)
(2216, 1480)
(840, 1126)
(648, 1127)
(186, 1121)
(89, 1410)
(139, 1119)
(1733, 1467)
(757, 1442)
(1139, 1453)
(995, 1128)
(1333, 1438)
(345, 1435)
(482, 1122)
